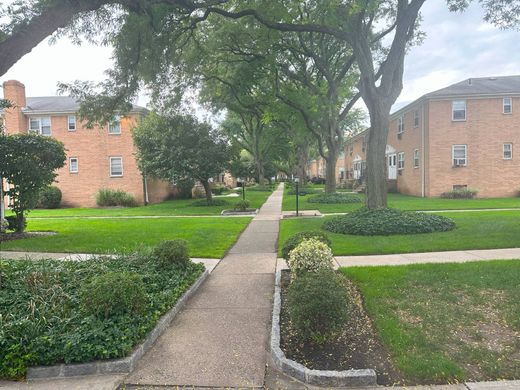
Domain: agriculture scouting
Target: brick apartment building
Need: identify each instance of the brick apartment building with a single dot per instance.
(460, 136)
(96, 158)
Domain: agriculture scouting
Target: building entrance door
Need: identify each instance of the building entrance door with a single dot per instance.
(392, 166)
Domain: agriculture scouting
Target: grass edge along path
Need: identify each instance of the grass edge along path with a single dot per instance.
(475, 230)
(446, 322)
(207, 237)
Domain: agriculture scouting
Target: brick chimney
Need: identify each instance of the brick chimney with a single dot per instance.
(15, 121)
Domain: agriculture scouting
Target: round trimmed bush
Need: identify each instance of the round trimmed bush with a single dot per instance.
(385, 222)
(293, 241)
(317, 305)
(172, 253)
(310, 255)
(335, 198)
(49, 198)
(113, 294)
(242, 205)
(212, 202)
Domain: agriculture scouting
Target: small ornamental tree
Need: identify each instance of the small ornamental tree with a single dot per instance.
(29, 163)
(179, 147)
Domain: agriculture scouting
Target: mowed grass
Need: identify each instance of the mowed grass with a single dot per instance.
(207, 237)
(169, 207)
(475, 230)
(446, 322)
(404, 202)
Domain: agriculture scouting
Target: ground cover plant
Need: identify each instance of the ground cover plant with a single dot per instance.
(107, 197)
(475, 230)
(446, 322)
(403, 202)
(385, 222)
(335, 198)
(206, 237)
(71, 311)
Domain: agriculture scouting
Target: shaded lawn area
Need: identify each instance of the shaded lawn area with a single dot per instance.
(404, 202)
(207, 237)
(169, 207)
(447, 322)
(475, 230)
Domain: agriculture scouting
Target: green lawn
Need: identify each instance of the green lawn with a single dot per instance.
(404, 202)
(475, 230)
(207, 237)
(446, 322)
(169, 207)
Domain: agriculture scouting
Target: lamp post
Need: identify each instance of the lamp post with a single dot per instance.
(297, 180)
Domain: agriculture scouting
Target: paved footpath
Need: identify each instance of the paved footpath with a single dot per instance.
(220, 338)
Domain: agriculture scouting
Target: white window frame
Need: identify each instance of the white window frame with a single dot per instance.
(40, 127)
(457, 163)
(69, 123)
(110, 166)
(70, 165)
(453, 111)
(416, 158)
(416, 119)
(400, 125)
(510, 144)
(116, 119)
(510, 105)
(400, 161)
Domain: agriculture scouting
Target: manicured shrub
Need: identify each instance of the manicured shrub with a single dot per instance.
(310, 256)
(335, 198)
(465, 193)
(262, 188)
(317, 305)
(212, 202)
(293, 241)
(172, 253)
(303, 191)
(242, 205)
(106, 197)
(4, 225)
(49, 198)
(385, 222)
(112, 294)
(13, 223)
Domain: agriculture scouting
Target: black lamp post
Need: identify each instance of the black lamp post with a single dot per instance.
(297, 180)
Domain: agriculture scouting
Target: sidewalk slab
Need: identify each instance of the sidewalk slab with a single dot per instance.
(508, 253)
(105, 382)
(259, 263)
(498, 385)
(256, 243)
(441, 257)
(262, 227)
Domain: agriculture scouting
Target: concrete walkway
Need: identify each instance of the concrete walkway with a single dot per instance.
(220, 338)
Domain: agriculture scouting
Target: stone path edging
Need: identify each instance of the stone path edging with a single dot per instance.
(122, 365)
(348, 378)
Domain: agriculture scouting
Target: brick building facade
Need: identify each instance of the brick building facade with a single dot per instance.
(461, 136)
(101, 157)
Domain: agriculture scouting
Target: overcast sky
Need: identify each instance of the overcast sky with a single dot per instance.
(457, 46)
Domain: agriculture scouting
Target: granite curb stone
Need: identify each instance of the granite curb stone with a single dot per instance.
(347, 378)
(123, 365)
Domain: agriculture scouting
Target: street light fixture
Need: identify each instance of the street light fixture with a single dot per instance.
(297, 180)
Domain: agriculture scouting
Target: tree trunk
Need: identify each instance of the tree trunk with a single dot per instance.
(303, 159)
(260, 173)
(376, 158)
(330, 172)
(20, 223)
(207, 189)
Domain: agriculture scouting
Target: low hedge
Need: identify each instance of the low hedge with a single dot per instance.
(106, 197)
(295, 240)
(303, 191)
(385, 222)
(213, 202)
(43, 321)
(466, 193)
(335, 198)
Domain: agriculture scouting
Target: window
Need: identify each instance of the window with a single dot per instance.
(40, 126)
(114, 127)
(507, 105)
(72, 123)
(116, 166)
(416, 118)
(460, 155)
(508, 151)
(73, 165)
(400, 160)
(416, 158)
(458, 109)
(400, 125)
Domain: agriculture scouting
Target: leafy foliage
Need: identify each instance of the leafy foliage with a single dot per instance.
(242, 205)
(466, 193)
(335, 198)
(385, 222)
(295, 240)
(49, 198)
(317, 304)
(29, 162)
(41, 317)
(172, 253)
(303, 191)
(106, 197)
(310, 256)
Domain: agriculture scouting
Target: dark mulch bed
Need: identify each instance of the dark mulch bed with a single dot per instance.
(18, 236)
(356, 347)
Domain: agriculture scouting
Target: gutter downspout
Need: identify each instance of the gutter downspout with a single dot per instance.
(423, 156)
(145, 189)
